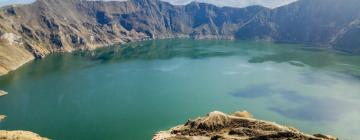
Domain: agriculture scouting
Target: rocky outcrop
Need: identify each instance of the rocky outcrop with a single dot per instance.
(19, 135)
(2, 93)
(238, 126)
(33, 31)
(2, 117)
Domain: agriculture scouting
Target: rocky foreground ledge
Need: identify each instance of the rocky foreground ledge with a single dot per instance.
(237, 126)
(19, 135)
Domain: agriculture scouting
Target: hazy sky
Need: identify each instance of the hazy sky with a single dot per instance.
(7, 2)
(234, 3)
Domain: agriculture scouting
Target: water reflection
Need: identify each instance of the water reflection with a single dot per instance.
(147, 50)
(317, 109)
(56, 63)
(319, 59)
(152, 50)
(120, 84)
(257, 91)
(295, 56)
(312, 78)
(298, 105)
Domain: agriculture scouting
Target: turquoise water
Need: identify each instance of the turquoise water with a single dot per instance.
(130, 92)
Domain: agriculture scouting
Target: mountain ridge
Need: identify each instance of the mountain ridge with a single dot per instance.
(35, 30)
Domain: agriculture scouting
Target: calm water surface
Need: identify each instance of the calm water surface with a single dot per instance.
(129, 92)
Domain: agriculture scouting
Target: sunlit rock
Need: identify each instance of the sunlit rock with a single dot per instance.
(239, 126)
(3, 93)
(19, 135)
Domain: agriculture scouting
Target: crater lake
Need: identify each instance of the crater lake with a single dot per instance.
(132, 91)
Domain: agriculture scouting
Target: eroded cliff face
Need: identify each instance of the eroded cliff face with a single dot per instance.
(238, 126)
(33, 31)
(348, 39)
(46, 26)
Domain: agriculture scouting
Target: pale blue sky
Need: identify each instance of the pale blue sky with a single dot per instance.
(7, 2)
(234, 3)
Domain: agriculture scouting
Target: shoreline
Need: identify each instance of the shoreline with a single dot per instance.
(17, 67)
(90, 47)
(100, 46)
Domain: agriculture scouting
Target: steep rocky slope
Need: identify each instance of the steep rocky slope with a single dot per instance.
(46, 26)
(33, 31)
(238, 126)
(315, 21)
(348, 39)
